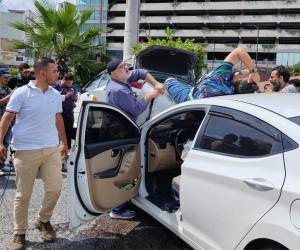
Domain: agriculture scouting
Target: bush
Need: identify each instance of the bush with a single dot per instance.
(294, 69)
(13, 71)
(170, 41)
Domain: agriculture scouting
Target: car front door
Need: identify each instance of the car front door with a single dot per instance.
(232, 177)
(104, 167)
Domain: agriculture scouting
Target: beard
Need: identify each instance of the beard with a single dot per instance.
(276, 86)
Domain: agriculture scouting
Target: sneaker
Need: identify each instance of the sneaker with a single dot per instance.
(124, 215)
(18, 242)
(48, 233)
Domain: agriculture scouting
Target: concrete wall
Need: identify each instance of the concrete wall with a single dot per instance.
(218, 25)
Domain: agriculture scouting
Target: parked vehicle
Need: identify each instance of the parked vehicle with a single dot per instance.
(219, 172)
(87, 92)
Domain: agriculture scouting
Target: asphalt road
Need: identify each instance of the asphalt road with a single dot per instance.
(143, 232)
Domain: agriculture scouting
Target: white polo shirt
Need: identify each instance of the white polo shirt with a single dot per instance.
(36, 111)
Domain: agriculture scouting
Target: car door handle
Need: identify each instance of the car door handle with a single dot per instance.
(259, 184)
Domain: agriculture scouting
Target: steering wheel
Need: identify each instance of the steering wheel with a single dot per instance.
(181, 139)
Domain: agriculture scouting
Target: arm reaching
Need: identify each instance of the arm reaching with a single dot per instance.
(156, 84)
(241, 55)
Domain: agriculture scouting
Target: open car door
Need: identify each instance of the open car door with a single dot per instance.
(104, 166)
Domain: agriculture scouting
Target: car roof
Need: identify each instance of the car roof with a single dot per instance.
(284, 104)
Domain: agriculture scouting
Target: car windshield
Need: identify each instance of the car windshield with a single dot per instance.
(295, 119)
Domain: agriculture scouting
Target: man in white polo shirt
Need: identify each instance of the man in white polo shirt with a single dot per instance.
(36, 132)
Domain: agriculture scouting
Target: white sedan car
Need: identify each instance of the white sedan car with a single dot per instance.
(220, 172)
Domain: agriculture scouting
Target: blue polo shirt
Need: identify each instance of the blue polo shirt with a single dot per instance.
(121, 95)
(36, 111)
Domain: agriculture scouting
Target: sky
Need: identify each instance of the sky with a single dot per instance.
(24, 4)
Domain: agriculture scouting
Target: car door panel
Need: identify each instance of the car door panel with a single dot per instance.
(110, 176)
(96, 148)
(107, 161)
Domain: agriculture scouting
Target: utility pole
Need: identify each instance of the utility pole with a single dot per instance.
(131, 32)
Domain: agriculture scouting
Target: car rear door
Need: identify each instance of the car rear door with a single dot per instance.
(232, 177)
(104, 166)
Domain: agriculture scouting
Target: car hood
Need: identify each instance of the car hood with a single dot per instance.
(171, 61)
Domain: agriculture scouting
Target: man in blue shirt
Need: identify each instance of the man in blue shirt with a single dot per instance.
(119, 91)
(221, 81)
(120, 94)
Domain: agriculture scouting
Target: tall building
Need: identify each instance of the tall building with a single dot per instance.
(269, 30)
(8, 54)
(99, 16)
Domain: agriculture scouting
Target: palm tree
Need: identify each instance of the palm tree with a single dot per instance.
(58, 33)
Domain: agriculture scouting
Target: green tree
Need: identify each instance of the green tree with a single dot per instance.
(170, 41)
(294, 69)
(58, 34)
(13, 71)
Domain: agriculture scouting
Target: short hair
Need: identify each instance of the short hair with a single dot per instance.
(42, 63)
(282, 71)
(246, 87)
(68, 77)
(23, 66)
(295, 82)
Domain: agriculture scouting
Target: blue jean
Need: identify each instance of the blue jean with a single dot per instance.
(179, 91)
(120, 209)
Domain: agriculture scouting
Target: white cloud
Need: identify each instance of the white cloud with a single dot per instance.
(18, 4)
(27, 4)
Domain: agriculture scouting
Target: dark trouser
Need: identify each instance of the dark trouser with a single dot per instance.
(68, 121)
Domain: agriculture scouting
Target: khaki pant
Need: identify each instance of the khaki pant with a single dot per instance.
(28, 164)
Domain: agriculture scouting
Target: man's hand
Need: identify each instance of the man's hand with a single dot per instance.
(156, 84)
(151, 95)
(64, 151)
(3, 152)
(160, 87)
(68, 94)
(254, 77)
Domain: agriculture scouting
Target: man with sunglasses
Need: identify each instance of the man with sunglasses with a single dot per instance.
(120, 94)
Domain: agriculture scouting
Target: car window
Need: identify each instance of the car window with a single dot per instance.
(107, 125)
(236, 138)
(93, 85)
(103, 80)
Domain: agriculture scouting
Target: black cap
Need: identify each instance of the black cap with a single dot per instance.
(68, 77)
(4, 72)
(112, 65)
